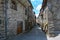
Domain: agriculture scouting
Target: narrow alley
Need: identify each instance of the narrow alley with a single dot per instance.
(35, 34)
(29, 20)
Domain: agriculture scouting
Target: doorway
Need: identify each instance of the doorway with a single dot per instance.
(19, 27)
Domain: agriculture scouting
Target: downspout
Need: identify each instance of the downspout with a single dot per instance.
(5, 12)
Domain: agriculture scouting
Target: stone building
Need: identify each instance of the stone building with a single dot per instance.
(13, 17)
(31, 17)
(51, 7)
(40, 17)
(54, 9)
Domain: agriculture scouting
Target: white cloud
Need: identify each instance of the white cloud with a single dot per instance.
(36, 15)
(32, 0)
(38, 7)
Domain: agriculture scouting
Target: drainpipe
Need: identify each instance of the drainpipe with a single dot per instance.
(5, 12)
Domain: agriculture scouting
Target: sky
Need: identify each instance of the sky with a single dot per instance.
(37, 6)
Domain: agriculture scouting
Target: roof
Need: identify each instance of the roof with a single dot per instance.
(44, 4)
(30, 3)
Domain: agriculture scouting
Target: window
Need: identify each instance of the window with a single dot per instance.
(25, 11)
(0, 21)
(13, 5)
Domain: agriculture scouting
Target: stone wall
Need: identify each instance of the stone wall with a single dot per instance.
(10, 18)
(15, 16)
(54, 8)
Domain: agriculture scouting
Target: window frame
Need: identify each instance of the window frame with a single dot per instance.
(13, 5)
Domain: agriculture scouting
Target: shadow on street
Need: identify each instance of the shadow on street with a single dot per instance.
(34, 34)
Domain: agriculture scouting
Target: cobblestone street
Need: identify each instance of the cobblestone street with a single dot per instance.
(34, 34)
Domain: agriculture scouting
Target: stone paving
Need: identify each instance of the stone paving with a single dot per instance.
(34, 34)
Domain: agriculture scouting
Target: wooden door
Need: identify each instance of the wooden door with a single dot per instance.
(19, 27)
